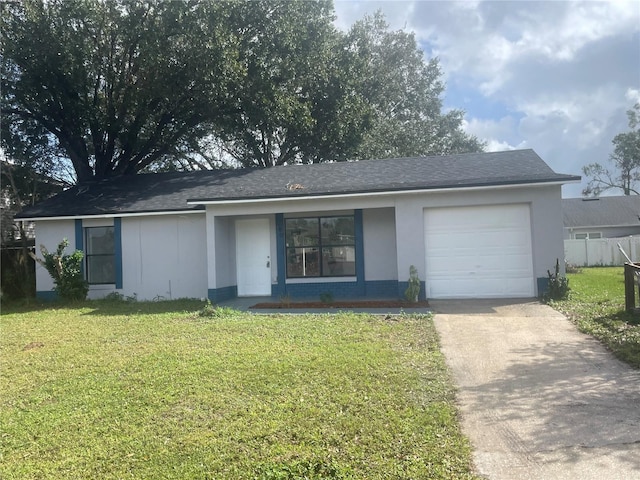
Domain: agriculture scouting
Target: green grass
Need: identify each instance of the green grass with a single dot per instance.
(144, 390)
(596, 305)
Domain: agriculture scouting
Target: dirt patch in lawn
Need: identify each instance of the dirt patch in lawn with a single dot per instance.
(343, 304)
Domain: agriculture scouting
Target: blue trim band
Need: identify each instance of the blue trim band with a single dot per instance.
(543, 285)
(381, 288)
(389, 289)
(47, 295)
(224, 293)
(117, 250)
(314, 290)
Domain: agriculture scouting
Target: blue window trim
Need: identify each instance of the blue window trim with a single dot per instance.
(117, 234)
(117, 250)
(359, 233)
(80, 240)
(281, 250)
(282, 287)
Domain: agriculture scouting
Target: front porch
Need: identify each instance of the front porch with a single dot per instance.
(350, 254)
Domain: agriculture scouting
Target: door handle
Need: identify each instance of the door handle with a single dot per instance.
(268, 263)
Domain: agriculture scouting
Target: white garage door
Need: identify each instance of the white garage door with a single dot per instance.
(478, 252)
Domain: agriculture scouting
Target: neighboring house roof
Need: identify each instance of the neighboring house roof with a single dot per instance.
(601, 212)
(171, 191)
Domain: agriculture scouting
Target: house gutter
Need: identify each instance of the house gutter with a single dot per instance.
(605, 226)
(113, 215)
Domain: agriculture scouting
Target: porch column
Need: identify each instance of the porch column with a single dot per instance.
(211, 254)
(410, 243)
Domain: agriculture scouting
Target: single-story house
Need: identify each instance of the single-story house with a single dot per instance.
(474, 225)
(601, 217)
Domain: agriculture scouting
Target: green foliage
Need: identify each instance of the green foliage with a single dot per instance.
(626, 161)
(558, 286)
(147, 390)
(213, 311)
(596, 306)
(66, 272)
(17, 280)
(404, 93)
(117, 297)
(298, 470)
(413, 290)
(118, 87)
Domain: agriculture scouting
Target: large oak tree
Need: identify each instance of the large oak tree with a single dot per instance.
(119, 84)
(123, 86)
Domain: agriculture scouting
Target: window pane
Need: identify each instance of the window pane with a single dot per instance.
(100, 269)
(100, 241)
(303, 262)
(337, 261)
(302, 232)
(580, 236)
(595, 235)
(337, 231)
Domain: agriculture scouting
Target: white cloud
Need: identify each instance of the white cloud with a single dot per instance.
(495, 132)
(557, 77)
(633, 95)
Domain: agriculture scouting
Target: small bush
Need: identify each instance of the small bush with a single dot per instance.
(213, 311)
(558, 288)
(66, 272)
(413, 290)
(117, 297)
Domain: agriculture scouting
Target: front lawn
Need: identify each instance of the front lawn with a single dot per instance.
(137, 390)
(596, 305)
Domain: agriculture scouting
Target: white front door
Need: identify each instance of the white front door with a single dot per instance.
(253, 257)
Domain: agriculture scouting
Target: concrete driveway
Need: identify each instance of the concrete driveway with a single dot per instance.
(539, 400)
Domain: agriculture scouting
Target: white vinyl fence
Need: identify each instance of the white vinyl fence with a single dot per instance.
(601, 251)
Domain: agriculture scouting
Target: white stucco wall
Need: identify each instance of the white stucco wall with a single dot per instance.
(546, 222)
(408, 208)
(50, 233)
(183, 255)
(164, 256)
(379, 232)
(225, 242)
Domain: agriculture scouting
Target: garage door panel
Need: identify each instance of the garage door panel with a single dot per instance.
(479, 251)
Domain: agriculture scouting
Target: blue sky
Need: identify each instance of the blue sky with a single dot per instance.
(555, 76)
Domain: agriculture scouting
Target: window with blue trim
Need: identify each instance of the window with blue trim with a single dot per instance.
(320, 246)
(100, 255)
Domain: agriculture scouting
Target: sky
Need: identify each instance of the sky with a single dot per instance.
(554, 76)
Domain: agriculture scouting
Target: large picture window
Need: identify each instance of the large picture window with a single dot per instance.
(320, 246)
(100, 255)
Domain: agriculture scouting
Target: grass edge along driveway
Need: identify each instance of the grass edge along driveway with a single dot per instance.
(596, 306)
(114, 390)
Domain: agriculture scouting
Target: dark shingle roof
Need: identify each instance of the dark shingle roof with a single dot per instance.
(603, 211)
(171, 191)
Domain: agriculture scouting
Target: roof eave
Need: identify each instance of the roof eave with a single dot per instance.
(377, 193)
(623, 225)
(147, 213)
